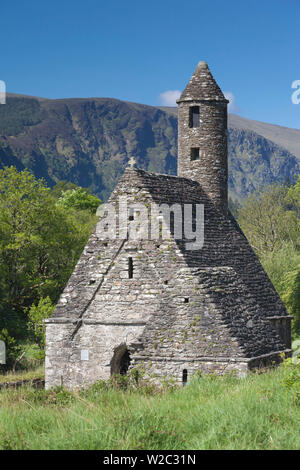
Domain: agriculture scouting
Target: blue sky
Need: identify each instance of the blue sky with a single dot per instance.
(138, 50)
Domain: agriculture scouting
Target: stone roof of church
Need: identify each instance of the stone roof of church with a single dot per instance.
(228, 272)
(202, 86)
(224, 245)
(224, 242)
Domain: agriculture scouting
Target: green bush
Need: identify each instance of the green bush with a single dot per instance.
(13, 350)
(36, 315)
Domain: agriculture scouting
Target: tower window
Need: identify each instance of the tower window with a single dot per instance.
(131, 214)
(195, 154)
(130, 268)
(194, 116)
(184, 376)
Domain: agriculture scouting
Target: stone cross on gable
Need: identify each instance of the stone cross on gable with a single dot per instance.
(131, 162)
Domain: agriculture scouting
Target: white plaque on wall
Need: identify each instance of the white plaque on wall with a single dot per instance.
(84, 355)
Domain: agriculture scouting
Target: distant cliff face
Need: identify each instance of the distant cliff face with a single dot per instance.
(255, 161)
(89, 142)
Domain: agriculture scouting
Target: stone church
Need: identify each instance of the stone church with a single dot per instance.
(154, 303)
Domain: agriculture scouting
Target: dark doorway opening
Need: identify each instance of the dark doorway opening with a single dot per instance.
(121, 360)
(124, 363)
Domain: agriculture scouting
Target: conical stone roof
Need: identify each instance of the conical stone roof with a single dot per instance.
(202, 86)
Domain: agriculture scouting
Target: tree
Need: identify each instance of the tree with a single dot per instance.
(283, 268)
(266, 220)
(40, 244)
(61, 186)
(79, 199)
(37, 314)
(293, 197)
(270, 220)
(291, 297)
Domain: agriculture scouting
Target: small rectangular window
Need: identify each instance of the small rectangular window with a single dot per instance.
(130, 268)
(184, 376)
(195, 154)
(131, 213)
(194, 116)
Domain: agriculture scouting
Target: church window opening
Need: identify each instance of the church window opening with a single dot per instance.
(130, 268)
(131, 214)
(194, 116)
(184, 376)
(195, 153)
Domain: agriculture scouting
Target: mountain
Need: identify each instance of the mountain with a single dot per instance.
(281, 136)
(89, 140)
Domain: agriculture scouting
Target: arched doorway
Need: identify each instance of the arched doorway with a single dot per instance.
(121, 360)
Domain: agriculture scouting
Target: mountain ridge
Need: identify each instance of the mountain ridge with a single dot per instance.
(286, 137)
(89, 141)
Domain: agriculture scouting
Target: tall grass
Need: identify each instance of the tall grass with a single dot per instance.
(37, 373)
(257, 412)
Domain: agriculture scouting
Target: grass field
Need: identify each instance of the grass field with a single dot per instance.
(23, 375)
(261, 411)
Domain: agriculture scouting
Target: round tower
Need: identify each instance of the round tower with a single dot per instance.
(202, 135)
